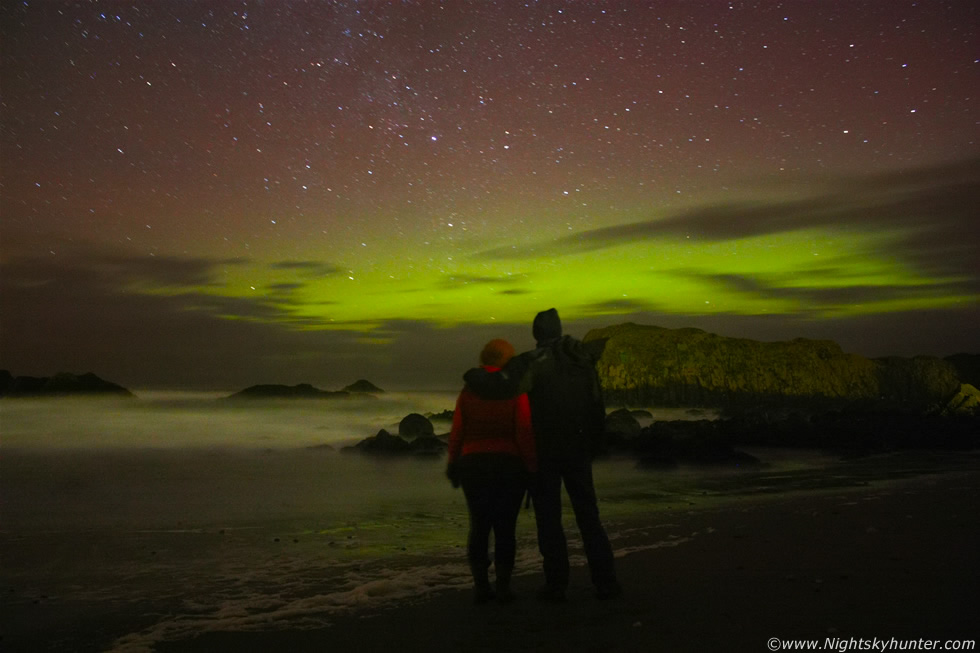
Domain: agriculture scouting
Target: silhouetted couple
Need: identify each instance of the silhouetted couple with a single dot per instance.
(531, 422)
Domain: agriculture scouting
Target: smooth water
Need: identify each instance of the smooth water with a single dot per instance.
(185, 513)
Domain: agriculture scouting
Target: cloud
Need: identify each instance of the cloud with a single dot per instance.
(932, 211)
(621, 305)
(285, 287)
(831, 297)
(119, 270)
(315, 269)
(463, 280)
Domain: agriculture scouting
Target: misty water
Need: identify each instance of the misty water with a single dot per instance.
(175, 513)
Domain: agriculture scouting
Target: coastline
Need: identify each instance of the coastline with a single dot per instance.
(892, 559)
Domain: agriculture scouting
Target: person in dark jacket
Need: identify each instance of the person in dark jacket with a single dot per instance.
(568, 415)
(492, 455)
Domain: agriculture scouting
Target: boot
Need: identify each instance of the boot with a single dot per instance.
(504, 593)
(482, 592)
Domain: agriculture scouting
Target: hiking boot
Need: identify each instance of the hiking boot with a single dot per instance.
(551, 594)
(606, 591)
(482, 592)
(504, 593)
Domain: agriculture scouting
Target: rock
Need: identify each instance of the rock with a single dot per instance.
(446, 415)
(649, 365)
(964, 402)
(382, 444)
(916, 382)
(414, 426)
(665, 444)
(6, 381)
(641, 414)
(622, 424)
(59, 385)
(429, 446)
(386, 444)
(361, 386)
(967, 368)
(301, 391)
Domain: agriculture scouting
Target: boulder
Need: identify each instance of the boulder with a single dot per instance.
(382, 444)
(669, 443)
(621, 424)
(387, 444)
(428, 445)
(414, 426)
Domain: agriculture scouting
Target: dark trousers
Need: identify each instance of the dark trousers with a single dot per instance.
(494, 485)
(577, 476)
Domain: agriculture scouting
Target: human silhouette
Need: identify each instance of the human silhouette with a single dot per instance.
(568, 415)
(492, 454)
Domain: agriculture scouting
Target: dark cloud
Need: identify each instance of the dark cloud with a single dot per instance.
(832, 297)
(285, 287)
(118, 270)
(620, 305)
(463, 280)
(307, 268)
(932, 211)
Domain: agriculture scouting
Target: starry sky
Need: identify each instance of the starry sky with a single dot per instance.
(215, 194)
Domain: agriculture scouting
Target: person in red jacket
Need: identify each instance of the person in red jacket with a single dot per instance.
(492, 455)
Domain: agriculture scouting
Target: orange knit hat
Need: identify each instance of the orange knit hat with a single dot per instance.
(496, 353)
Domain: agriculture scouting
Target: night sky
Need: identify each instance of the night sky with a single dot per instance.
(215, 194)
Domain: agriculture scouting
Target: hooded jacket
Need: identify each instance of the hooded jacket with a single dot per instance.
(492, 426)
(560, 379)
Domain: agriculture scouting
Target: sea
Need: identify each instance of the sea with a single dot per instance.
(126, 523)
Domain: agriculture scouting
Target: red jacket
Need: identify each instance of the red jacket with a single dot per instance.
(492, 426)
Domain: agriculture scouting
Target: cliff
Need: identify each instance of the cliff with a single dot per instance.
(649, 365)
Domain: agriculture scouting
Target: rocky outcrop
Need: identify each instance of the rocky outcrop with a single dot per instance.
(362, 386)
(964, 402)
(59, 385)
(648, 365)
(301, 391)
(385, 444)
(967, 367)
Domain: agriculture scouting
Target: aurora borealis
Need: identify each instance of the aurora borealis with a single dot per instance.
(213, 194)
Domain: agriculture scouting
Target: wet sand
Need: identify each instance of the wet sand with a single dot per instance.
(896, 559)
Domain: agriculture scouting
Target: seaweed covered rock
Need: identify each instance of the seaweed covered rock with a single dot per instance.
(649, 365)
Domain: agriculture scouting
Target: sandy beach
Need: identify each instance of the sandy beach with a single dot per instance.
(891, 560)
(878, 547)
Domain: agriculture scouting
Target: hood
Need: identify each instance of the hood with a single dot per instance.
(547, 326)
